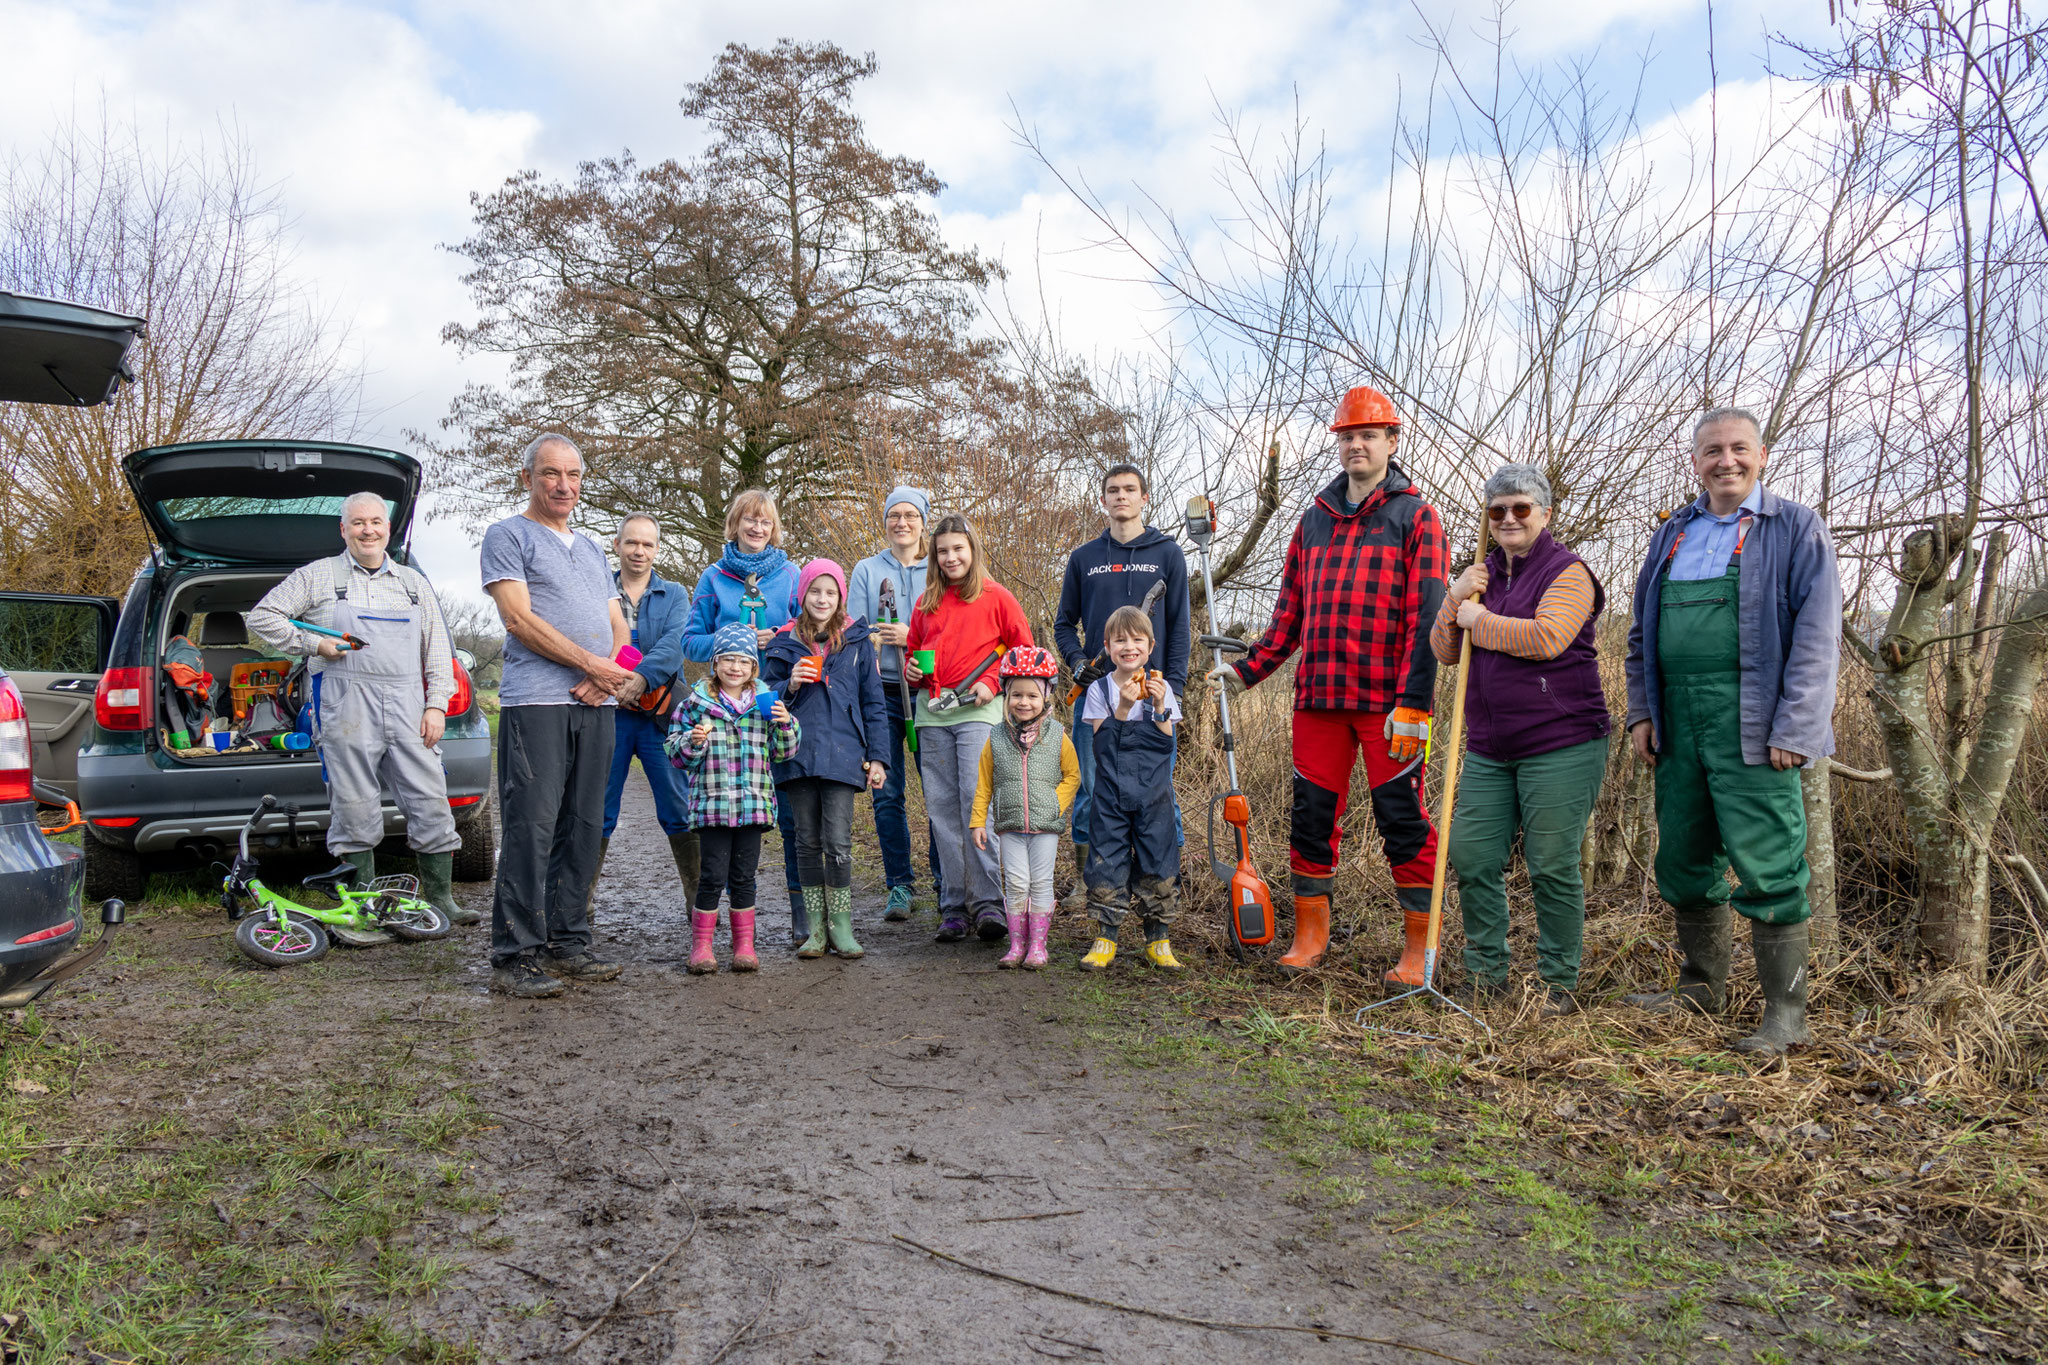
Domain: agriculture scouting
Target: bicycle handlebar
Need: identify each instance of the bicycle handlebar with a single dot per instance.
(268, 803)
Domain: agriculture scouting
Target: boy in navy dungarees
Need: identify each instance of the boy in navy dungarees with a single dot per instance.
(1133, 845)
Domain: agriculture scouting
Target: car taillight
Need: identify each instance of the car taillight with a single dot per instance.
(43, 935)
(460, 801)
(17, 775)
(124, 700)
(465, 696)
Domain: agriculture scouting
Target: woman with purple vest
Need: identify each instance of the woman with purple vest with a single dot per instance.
(1536, 735)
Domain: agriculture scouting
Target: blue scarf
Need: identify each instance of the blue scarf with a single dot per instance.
(764, 564)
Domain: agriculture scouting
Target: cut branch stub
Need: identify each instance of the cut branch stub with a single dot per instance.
(1928, 551)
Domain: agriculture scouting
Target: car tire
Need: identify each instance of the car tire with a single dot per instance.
(477, 859)
(111, 873)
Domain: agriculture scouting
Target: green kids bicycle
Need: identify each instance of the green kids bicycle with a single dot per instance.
(282, 933)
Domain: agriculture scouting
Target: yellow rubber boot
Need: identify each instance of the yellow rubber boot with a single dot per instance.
(1099, 957)
(1311, 934)
(1159, 953)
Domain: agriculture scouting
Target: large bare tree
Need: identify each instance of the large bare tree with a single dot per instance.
(192, 238)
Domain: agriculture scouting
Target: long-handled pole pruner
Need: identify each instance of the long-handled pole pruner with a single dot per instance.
(1453, 750)
(886, 605)
(1251, 902)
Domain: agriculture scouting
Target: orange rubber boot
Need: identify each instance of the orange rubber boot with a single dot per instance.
(1311, 934)
(1407, 973)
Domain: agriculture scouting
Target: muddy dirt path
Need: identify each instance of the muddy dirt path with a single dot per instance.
(806, 1115)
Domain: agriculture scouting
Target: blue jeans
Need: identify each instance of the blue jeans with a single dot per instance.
(641, 733)
(1083, 735)
(892, 821)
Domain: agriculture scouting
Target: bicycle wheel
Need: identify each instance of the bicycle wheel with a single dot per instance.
(276, 944)
(409, 917)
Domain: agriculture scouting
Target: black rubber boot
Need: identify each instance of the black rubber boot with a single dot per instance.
(590, 896)
(689, 856)
(1781, 959)
(1707, 937)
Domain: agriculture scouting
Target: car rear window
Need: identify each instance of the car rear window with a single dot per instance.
(50, 637)
(188, 510)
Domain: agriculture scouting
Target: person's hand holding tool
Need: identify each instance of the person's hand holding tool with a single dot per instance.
(1469, 612)
(1407, 733)
(1471, 583)
(1227, 677)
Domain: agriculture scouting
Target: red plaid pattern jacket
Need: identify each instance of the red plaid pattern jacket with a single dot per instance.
(1357, 598)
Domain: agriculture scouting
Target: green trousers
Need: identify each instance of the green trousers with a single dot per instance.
(1547, 799)
(1714, 810)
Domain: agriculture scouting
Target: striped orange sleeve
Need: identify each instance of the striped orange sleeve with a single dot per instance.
(1443, 636)
(1560, 616)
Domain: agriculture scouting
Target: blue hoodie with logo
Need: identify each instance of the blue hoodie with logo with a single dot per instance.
(1103, 575)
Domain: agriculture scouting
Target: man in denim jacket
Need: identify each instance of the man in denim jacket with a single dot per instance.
(1732, 660)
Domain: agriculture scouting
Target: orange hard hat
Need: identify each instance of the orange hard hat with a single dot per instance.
(1365, 408)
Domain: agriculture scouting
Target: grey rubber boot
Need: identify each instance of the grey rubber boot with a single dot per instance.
(1781, 960)
(590, 896)
(689, 856)
(1707, 938)
(1077, 900)
(437, 888)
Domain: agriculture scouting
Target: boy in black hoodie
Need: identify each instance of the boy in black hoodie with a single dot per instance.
(1117, 569)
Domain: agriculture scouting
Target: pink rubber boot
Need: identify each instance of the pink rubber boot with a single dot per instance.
(743, 959)
(703, 925)
(1018, 933)
(1038, 928)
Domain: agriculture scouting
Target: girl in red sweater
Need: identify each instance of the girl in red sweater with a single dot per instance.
(967, 622)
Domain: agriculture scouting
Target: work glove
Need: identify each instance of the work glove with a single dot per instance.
(1407, 733)
(1227, 677)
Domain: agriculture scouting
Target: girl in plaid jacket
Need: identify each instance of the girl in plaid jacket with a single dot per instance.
(725, 735)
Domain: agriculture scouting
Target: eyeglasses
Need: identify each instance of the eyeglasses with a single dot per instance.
(1522, 511)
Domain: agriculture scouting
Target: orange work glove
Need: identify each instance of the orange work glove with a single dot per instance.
(1407, 733)
(808, 669)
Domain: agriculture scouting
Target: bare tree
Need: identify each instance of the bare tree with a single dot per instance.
(191, 238)
(475, 626)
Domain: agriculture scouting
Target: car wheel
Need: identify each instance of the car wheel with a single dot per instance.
(111, 873)
(477, 859)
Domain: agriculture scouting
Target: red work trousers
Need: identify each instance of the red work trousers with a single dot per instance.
(1326, 746)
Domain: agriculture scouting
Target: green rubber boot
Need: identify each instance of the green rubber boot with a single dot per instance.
(365, 864)
(437, 888)
(1707, 937)
(1781, 955)
(814, 904)
(839, 921)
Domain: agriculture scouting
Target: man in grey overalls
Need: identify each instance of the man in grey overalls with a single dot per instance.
(379, 710)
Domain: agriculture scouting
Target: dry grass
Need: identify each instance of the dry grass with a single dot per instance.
(1906, 1146)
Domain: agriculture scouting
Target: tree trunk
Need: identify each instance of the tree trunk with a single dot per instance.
(1817, 795)
(1955, 908)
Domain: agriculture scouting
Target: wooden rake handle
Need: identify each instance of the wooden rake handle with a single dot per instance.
(1453, 750)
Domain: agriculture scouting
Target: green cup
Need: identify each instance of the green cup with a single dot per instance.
(926, 660)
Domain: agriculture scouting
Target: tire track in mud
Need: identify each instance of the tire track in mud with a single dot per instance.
(804, 1114)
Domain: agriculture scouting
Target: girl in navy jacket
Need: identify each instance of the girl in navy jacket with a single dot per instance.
(824, 668)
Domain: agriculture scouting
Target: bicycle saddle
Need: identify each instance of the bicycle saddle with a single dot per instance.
(328, 882)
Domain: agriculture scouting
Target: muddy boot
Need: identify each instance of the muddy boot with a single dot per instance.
(952, 926)
(990, 923)
(1407, 974)
(689, 856)
(1158, 951)
(590, 896)
(1706, 935)
(437, 888)
(365, 864)
(899, 905)
(1077, 899)
(743, 958)
(1037, 928)
(1311, 934)
(839, 922)
(1781, 954)
(1098, 957)
(1020, 939)
(703, 929)
(815, 942)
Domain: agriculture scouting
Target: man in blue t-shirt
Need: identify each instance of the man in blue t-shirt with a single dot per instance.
(563, 629)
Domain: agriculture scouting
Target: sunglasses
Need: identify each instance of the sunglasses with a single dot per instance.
(1522, 511)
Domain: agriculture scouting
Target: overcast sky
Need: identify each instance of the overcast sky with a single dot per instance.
(378, 120)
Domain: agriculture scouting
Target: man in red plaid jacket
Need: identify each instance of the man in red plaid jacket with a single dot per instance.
(1363, 580)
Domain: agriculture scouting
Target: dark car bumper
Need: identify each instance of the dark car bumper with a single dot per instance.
(39, 890)
(152, 803)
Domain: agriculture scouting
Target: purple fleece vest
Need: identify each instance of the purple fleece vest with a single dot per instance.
(1518, 708)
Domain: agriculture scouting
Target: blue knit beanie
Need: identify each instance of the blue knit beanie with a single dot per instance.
(916, 497)
(737, 638)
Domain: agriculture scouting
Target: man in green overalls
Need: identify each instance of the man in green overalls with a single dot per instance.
(1732, 659)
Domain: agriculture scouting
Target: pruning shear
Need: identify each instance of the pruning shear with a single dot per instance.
(351, 641)
(752, 603)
